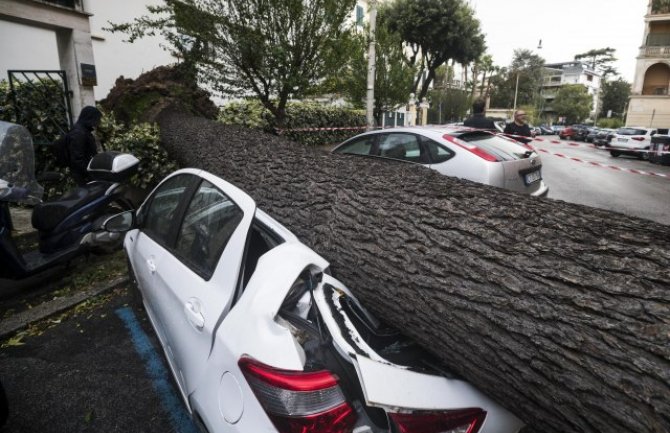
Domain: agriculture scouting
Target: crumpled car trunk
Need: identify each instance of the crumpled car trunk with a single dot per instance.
(339, 334)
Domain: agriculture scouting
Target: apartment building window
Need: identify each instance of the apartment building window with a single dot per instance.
(589, 77)
(360, 13)
(65, 3)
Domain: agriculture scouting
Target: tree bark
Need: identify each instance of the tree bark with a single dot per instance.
(561, 312)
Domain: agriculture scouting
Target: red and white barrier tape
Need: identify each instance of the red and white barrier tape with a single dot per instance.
(608, 148)
(613, 167)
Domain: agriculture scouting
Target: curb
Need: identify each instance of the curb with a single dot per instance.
(42, 311)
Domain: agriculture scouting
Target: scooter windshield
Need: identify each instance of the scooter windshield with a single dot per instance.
(17, 165)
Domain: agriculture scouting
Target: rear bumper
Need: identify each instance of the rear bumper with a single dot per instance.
(542, 191)
(625, 150)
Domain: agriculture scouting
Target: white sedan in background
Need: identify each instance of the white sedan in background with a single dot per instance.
(259, 336)
(477, 155)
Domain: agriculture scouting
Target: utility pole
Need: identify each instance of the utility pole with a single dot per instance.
(372, 57)
(516, 89)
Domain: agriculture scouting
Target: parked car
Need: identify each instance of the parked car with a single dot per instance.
(603, 137)
(574, 132)
(546, 130)
(591, 134)
(557, 129)
(476, 155)
(634, 141)
(259, 336)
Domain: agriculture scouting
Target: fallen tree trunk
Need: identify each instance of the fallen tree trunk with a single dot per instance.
(560, 312)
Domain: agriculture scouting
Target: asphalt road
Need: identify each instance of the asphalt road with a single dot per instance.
(619, 190)
(100, 371)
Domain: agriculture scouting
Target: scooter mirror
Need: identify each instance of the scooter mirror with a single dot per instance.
(120, 223)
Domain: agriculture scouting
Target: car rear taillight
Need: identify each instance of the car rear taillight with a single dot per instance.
(298, 401)
(471, 148)
(455, 421)
(638, 138)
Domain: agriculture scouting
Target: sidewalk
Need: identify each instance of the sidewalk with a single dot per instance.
(21, 218)
(21, 320)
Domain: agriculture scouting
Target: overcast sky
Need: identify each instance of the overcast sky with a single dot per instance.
(566, 27)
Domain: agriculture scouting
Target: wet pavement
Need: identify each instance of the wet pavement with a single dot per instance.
(599, 180)
(99, 371)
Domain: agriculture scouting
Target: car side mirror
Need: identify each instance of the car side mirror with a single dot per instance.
(120, 223)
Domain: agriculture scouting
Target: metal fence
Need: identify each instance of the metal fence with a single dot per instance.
(41, 102)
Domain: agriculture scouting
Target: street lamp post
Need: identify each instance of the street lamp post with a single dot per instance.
(516, 89)
(372, 57)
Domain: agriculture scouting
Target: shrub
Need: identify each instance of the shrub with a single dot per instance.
(612, 123)
(43, 119)
(143, 141)
(7, 112)
(248, 113)
(300, 115)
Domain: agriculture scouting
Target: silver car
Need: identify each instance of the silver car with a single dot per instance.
(476, 155)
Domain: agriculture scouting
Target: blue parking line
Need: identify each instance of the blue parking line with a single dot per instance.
(158, 373)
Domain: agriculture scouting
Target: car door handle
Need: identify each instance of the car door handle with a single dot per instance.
(194, 315)
(152, 266)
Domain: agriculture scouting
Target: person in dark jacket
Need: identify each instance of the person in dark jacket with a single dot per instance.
(519, 128)
(81, 144)
(478, 118)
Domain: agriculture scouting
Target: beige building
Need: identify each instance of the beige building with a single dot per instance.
(650, 101)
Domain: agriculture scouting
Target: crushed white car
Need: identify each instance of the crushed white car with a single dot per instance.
(259, 336)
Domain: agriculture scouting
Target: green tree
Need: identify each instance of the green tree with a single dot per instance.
(269, 48)
(393, 76)
(600, 60)
(447, 105)
(529, 68)
(435, 31)
(574, 102)
(486, 67)
(615, 96)
(660, 6)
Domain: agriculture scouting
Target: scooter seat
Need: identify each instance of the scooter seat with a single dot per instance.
(47, 216)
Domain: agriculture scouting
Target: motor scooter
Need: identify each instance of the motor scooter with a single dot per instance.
(69, 225)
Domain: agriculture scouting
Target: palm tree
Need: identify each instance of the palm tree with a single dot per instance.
(486, 62)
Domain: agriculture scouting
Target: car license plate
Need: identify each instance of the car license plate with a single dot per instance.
(533, 177)
(623, 140)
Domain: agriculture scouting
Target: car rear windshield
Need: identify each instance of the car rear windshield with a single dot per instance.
(502, 148)
(631, 131)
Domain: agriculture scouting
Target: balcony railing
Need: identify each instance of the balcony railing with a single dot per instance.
(661, 52)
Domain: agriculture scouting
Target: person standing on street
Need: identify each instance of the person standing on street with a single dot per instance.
(519, 127)
(81, 144)
(478, 118)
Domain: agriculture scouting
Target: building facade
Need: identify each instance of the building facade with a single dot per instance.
(49, 35)
(556, 75)
(649, 104)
